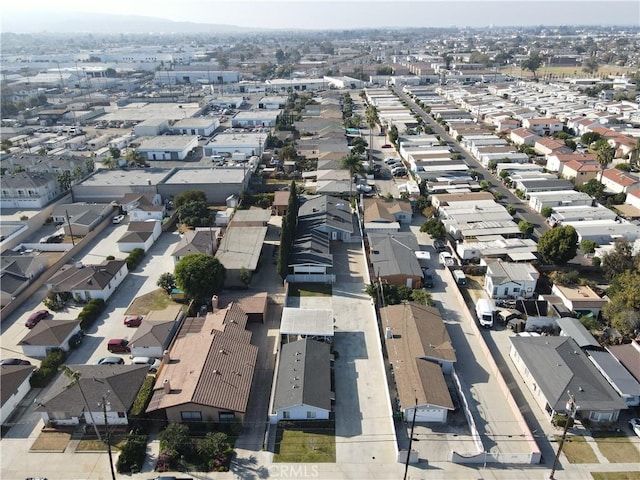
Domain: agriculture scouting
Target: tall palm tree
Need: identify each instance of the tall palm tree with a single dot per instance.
(353, 163)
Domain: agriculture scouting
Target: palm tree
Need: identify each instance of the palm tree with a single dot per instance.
(353, 163)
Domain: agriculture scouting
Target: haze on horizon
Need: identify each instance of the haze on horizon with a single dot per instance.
(336, 14)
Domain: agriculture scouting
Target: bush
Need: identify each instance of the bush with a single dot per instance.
(52, 302)
(110, 257)
(560, 420)
(48, 368)
(90, 312)
(143, 397)
(132, 454)
(134, 258)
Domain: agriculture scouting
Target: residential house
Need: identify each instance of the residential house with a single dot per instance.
(17, 272)
(69, 402)
(393, 258)
(507, 280)
(629, 356)
(330, 215)
(255, 305)
(29, 190)
(14, 386)
(254, 217)
(556, 161)
(299, 323)
(85, 282)
(143, 206)
(386, 215)
(209, 373)
(201, 240)
(280, 202)
(419, 350)
(302, 384)
(78, 219)
(140, 235)
(155, 333)
(553, 366)
(543, 126)
(239, 253)
(623, 145)
(550, 146)
(522, 136)
(617, 181)
(580, 299)
(581, 172)
(48, 335)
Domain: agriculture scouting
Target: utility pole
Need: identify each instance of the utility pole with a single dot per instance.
(413, 424)
(66, 214)
(107, 436)
(573, 408)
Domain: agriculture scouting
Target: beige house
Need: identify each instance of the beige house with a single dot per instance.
(580, 172)
(581, 299)
(209, 372)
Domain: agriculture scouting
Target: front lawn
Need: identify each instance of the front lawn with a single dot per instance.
(310, 289)
(297, 444)
(156, 300)
(51, 442)
(617, 447)
(577, 450)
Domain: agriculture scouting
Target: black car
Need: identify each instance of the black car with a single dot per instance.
(427, 279)
(439, 245)
(14, 361)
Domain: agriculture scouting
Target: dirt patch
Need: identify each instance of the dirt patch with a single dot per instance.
(156, 300)
(51, 442)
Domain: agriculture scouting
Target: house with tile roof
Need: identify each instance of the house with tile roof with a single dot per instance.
(420, 353)
(522, 136)
(580, 172)
(556, 161)
(48, 335)
(302, 383)
(618, 181)
(89, 281)
(14, 386)
(209, 372)
(66, 404)
(543, 126)
(548, 146)
(553, 367)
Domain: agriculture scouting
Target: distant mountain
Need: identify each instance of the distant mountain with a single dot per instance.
(65, 22)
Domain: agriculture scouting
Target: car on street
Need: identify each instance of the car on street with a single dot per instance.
(35, 317)
(399, 171)
(133, 320)
(387, 145)
(634, 423)
(153, 363)
(118, 345)
(427, 278)
(391, 160)
(117, 219)
(109, 361)
(439, 245)
(14, 361)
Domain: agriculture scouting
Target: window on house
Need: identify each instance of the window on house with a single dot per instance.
(191, 416)
(227, 416)
(286, 415)
(311, 415)
(121, 415)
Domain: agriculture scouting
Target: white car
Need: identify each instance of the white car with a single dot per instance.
(391, 160)
(117, 219)
(153, 363)
(634, 423)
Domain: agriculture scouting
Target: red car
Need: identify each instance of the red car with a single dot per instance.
(35, 317)
(133, 320)
(118, 345)
(387, 145)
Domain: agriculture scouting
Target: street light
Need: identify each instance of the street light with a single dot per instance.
(572, 408)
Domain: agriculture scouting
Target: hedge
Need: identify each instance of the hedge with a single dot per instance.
(134, 258)
(143, 397)
(91, 312)
(48, 368)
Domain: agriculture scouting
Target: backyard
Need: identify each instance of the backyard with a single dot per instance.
(156, 300)
(304, 442)
(310, 289)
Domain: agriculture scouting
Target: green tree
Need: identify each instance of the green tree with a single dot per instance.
(590, 65)
(167, 282)
(288, 153)
(588, 246)
(194, 214)
(571, 144)
(623, 308)
(593, 187)
(546, 212)
(64, 180)
(352, 162)
(605, 154)
(393, 135)
(175, 438)
(89, 165)
(619, 260)
(288, 231)
(558, 245)
(525, 227)
(199, 276)
(533, 64)
(189, 195)
(245, 276)
(588, 138)
(422, 297)
(434, 227)
(115, 153)
(214, 444)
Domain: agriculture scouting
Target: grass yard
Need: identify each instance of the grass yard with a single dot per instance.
(156, 300)
(305, 445)
(577, 450)
(616, 447)
(51, 442)
(615, 475)
(310, 289)
(91, 444)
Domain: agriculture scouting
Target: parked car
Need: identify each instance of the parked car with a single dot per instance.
(391, 160)
(35, 317)
(117, 219)
(439, 245)
(133, 320)
(154, 363)
(387, 145)
(427, 278)
(118, 345)
(399, 171)
(14, 361)
(109, 361)
(634, 423)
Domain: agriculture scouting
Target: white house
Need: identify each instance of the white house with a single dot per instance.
(89, 281)
(156, 331)
(505, 279)
(143, 206)
(302, 386)
(30, 190)
(140, 235)
(66, 404)
(47, 335)
(618, 181)
(14, 384)
(543, 126)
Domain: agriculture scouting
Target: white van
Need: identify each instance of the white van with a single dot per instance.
(446, 259)
(460, 277)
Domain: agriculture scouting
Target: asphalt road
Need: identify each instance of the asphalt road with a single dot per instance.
(523, 212)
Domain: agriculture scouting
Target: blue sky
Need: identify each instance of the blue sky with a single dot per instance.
(309, 14)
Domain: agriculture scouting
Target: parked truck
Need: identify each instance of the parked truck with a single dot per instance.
(486, 312)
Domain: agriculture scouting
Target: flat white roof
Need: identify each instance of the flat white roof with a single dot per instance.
(306, 321)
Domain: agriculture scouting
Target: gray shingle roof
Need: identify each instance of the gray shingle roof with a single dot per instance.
(394, 254)
(49, 333)
(89, 277)
(572, 327)
(304, 375)
(11, 377)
